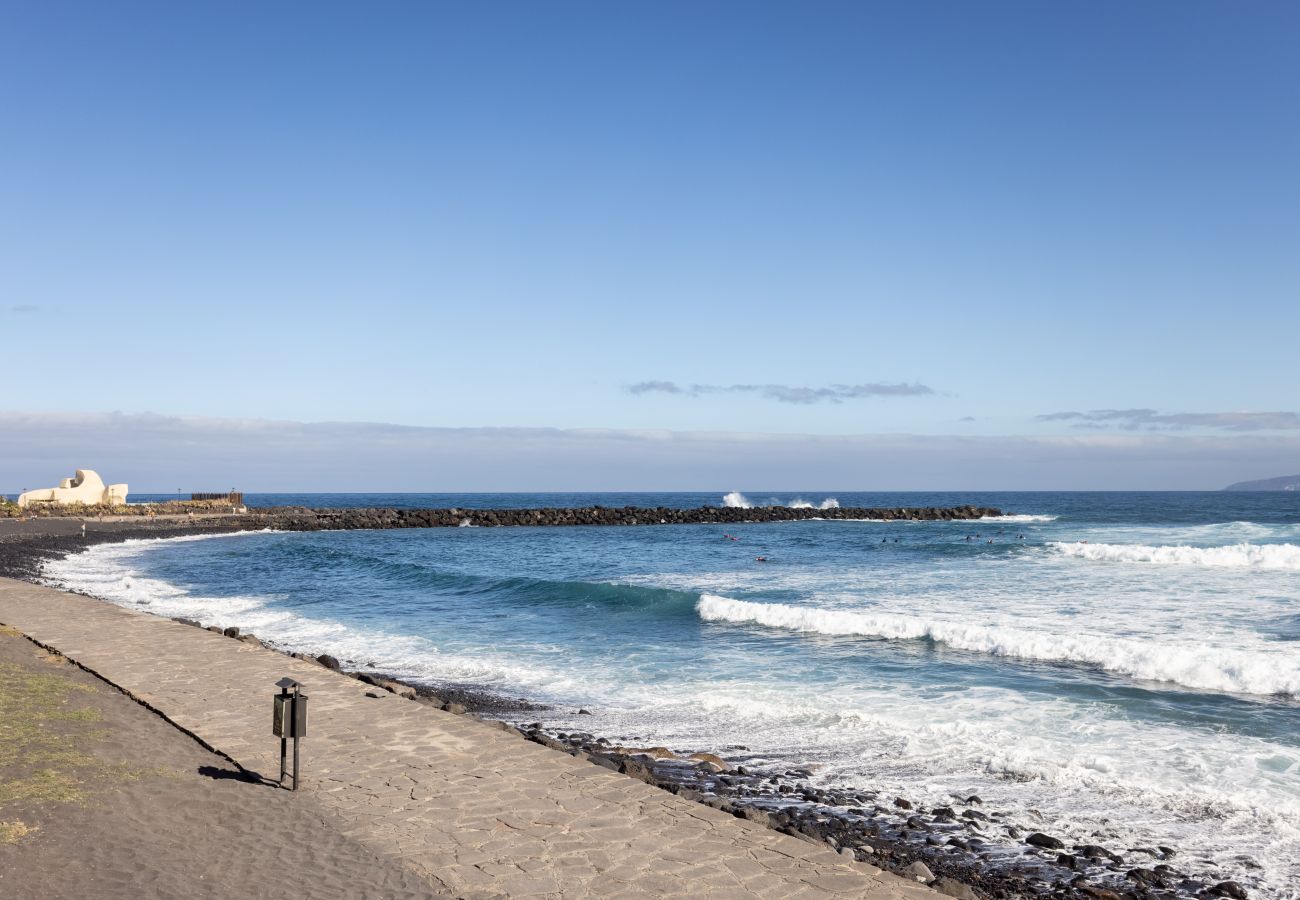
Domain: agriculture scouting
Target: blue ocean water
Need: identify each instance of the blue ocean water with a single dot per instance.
(1124, 668)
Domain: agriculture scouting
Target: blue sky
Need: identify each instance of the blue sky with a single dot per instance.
(932, 219)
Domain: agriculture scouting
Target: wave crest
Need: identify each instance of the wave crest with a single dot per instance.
(1233, 556)
(1191, 665)
(737, 500)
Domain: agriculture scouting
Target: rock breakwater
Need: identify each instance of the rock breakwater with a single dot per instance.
(303, 519)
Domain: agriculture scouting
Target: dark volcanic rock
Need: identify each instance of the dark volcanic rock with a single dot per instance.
(1047, 842)
(303, 519)
(1144, 876)
(1229, 889)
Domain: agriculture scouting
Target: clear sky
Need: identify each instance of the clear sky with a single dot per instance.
(940, 219)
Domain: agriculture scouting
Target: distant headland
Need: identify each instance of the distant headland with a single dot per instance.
(1281, 483)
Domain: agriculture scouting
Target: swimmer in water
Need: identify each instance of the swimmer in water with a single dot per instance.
(760, 559)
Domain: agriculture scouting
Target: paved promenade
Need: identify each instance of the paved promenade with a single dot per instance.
(482, 811)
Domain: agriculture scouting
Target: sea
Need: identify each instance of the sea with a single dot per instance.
(1112, 668)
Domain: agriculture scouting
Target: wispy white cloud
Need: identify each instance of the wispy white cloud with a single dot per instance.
(162, 453)
(1152, 420)
(785, 393)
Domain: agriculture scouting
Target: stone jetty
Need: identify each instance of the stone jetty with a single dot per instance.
(303, 519)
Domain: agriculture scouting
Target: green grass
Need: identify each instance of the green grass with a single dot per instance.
(47, 741)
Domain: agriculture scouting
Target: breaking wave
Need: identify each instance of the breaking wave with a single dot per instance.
(1234, 556)
(1190, 665)
(828, 503)
(737, 500)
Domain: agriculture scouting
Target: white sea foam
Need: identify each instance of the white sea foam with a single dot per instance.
(1193, 665)
(1234, 556)
(1013, 517)
(828, 503)
(737, 500)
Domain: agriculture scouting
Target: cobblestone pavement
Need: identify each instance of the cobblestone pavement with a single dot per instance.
(481, 810)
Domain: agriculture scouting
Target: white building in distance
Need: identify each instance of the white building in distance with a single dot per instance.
(85, 487)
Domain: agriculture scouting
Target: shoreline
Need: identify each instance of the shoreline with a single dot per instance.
(956, 844)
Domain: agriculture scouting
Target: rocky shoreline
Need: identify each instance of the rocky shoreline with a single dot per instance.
(962, 849)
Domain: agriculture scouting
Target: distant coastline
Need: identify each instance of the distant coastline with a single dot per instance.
(1280, 483)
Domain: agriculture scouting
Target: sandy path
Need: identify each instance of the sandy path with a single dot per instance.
(99, 797)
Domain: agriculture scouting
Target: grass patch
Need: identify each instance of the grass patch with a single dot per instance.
(13, 832)
(47, 741)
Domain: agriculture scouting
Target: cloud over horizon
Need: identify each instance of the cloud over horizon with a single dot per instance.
(784, 393)
(161, 453)
(1152, 420)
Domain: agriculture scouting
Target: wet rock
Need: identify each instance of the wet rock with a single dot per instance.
(1067, 860)
(652, 752)
(231, 632)
(187, 622)
(1093, 891)
(901, 803)
(1092, 851)
(459, 709)
(328, 661)
(1229, 889)
(1047, 842)
(1143, 876)
(215, 629)
(251, 639)
(717, 763)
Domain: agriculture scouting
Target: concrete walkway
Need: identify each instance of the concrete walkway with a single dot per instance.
(483, 811)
